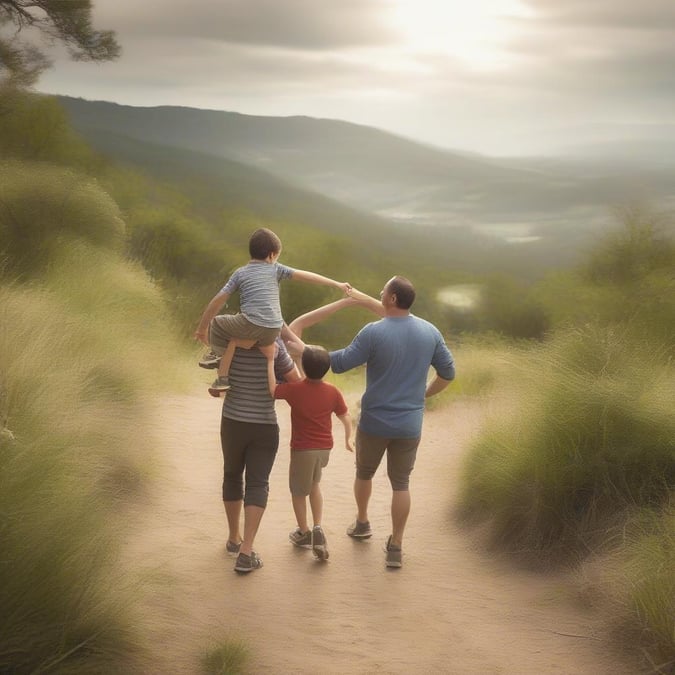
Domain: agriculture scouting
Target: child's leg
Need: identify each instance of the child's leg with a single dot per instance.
(300, 510)
(269, 352)
(316, 503)
(228, 354)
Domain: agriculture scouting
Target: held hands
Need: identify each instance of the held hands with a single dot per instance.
(345, 287)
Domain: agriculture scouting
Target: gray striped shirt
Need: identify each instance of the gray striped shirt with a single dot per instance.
(258, 286)
(248, 399)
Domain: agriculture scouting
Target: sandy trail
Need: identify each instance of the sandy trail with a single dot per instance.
(450, 609)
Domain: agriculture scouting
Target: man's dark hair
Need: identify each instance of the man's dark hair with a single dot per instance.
(404, 291)
(315, 361)
(262, 243)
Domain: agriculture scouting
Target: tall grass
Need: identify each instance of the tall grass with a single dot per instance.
(74, 367)
(591, 443)
(230, 658)
(594, 433)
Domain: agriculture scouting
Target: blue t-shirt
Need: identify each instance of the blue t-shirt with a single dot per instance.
(398, 352)
(258, 286)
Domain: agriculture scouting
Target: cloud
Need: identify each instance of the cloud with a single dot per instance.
(294, 24)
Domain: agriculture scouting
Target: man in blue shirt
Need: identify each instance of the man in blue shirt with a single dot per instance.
(398, 351)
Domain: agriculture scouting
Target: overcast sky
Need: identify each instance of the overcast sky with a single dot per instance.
(493, 76)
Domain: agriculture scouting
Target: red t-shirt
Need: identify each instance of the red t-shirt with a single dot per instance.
(312, 404)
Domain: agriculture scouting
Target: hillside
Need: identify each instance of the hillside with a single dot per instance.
(392, 176)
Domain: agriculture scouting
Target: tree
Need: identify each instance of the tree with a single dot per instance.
(67, 21)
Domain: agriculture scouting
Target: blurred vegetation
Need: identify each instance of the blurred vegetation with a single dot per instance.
(585, 451)
(230, 658)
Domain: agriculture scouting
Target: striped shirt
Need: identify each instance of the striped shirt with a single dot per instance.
(258, 286)
(248, 399)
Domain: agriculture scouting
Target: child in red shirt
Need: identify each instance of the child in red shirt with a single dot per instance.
(313, 403)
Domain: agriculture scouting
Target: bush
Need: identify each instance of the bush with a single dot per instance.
(594, 434)
(43, 209)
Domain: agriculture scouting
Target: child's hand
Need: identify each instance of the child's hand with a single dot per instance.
(346, 287)
(200, 335)
(348, 445)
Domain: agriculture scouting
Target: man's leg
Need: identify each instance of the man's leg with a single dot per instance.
(362, 491)
(400, 509)
(401, 455)
(369, 453)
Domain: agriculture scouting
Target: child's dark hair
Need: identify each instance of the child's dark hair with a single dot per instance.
(263, 242)
(315, 361)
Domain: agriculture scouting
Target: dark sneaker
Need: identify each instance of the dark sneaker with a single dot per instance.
(232, 548)
(394, 554)
(247, 563)
(360, 530)
(210, 360)
(301, 539)
(319, 547)
(220, 385)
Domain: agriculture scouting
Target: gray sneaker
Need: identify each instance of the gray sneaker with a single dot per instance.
(319, 546)
(394, 554)
(210, 360)
(301, 539)
(359, 530)
(247, 563)
(220, 385)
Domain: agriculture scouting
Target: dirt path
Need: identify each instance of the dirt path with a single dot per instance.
(450, 609)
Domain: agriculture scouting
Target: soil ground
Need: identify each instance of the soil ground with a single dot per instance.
(452, 608)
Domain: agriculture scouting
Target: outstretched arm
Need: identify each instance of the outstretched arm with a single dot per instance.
(218, 300)
(314, 278)
(317, 315)
(367, 301)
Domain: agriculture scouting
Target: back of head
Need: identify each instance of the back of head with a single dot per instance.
(263, 242)
(404, 290)
(315, 361)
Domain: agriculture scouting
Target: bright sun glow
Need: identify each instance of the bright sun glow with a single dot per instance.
(474, 31)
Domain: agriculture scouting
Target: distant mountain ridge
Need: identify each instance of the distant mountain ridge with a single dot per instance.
(556, 202)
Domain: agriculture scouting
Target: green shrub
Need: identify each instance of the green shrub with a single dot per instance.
(648, 578)
(593, 434)
(43, 209)
(230, 658)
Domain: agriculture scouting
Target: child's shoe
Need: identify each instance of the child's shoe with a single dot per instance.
(300, 538)
(319, 545)
(210, 360)
(220, 385)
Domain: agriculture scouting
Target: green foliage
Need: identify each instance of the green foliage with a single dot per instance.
(506, 307)
(631, 254)
(594, 433)
(647, 578)
(74, 449)
(44, 208)
(36, 128)
(230, 658)
(66, 444)
(68, 22)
